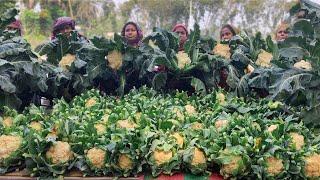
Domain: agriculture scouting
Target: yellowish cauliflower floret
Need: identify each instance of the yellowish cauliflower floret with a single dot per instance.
(303, 65)
(96, 156)
(196, 125)
(231, 166)
(312, 166)
(125, 162)
(8, 145)
(137, 116)
(272, 128)
(274, 166)
(221, 98)
(59, 152)
(90, 102)
(222, 50)
(198, 157)
(190, 109)
(101, 128)
(264, 59)
(220, 124)
(36, 125)
(161, 156)
(114, 60)
(126, 124)
(7, 122)
(179, 139)
(105, 119)
(297, 140)
(178, 113)
(183, 59)
(249, 69)
(66, 61)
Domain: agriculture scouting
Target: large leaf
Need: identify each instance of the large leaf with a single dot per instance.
(6, 84)
(199, 86)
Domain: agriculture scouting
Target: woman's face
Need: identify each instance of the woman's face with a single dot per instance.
(66, 30)
(182, 34)
(282, 34)
(130, 32)
(226, 34)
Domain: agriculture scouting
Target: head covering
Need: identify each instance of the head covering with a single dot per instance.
(17, 25)
(60, 23)
(231, 28)
(139, 37)
(181, 43)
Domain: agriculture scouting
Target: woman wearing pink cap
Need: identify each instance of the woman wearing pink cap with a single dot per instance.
(182, 31)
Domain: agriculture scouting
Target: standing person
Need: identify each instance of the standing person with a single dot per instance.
(132, 33)
(16, 26)
(227, 32)
(182, 31)
(282, 32)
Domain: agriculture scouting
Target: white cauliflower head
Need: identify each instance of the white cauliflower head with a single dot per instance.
(249, 69)
(264, 59)
(312, 166)
(190, 109)
(179, 139)
(35, 126)
(7, 122)
(162, 157)
(297, 140)
(115, 59)
(232, 166)
(125, 162)
(198, 157)
(222, 50)
(90, 102)
(8, 145)
(101, 128)
(274, 166)
(127, 124)
(59, 152)
(196, 126)
(183, 59)
(304, 65)
(66, 61)
(178, 113)
(96, 156)
(221, 98)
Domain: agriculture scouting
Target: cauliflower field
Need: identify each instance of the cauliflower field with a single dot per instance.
(145, 131)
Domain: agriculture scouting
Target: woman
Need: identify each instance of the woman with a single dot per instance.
(16, 26)
(182, 31)
(227, 32)
(132, 33)
(282, 32)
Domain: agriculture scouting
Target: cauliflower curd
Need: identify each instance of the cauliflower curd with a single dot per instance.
(264, 59)
(114, 60)
(274, 166)
(198, 157)
(8, 145)
(312, 166)
(96, 156)
(59, 152)
(183, 59)
(222, 50)
(125, 162)
(162, 157)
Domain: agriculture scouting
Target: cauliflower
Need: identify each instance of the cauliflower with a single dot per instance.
(183, 59)
(220, 124)
(114, 60)
(8, 145)
(198, 157)
(66, 61)
(297, 140)
(178, 113)
(222, 50)
(179, 139)
(59, 152)
(303, 65)
(96, 157)
(312, 166)
(221, 98)
(249, 69)
(105, 118)
(126, 124)
(190, 109)
(7, 122)
(35, 125)
(264, 59)
(162, 157)
(274, 166)
(101, 128)
(232, 166)
(272, 128)
(196, 125)
(125, 162)
(90, 102)
(137, 116)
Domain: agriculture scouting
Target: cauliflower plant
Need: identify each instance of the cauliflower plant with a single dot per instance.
(220, 124)
(198, 157)
(101, 128)
(312, 166)
(190, 110)
(249, 69)
(183, 59)
(7, 122)
(221, 98)
(59, 152)
(178, 113)
(35, 126)
(271, 128)
(274, 166)
(114, 59)
(222, 50)
(162, 157)
(179, 139)
(303, 65)
(196, 126)
(8, 145)
(231, 167)
(96, 156)
(90, 102)
(127, 124)
(125, 162)
(66, 61)
(234, 161)
(297, 140)
(264, 59)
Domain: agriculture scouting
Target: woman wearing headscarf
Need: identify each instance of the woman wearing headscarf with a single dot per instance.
(132, 33)
(16, 26)
(182, 31)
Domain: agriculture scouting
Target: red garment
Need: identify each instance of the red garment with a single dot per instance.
(182, 41)
(139, 37)
(16, 25)
(60, 23)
